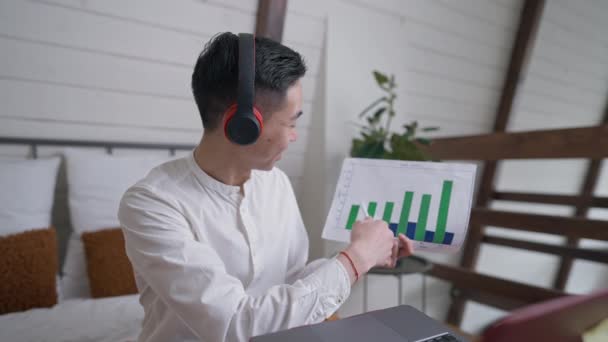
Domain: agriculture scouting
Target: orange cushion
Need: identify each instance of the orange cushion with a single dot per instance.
(109, 270)
(28, 269)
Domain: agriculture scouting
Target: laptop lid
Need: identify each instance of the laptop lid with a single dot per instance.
(398, 324)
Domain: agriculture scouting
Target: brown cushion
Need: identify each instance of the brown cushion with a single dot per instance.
(28, 269)
(109, 270)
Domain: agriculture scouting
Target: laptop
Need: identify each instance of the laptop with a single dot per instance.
(397, 324)
(564, 319)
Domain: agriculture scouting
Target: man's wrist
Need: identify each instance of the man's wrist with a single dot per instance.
(358, 257)
(352, 275)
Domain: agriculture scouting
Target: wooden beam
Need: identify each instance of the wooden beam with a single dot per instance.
(271, 19)
(587, 189)
(572, 252)
(536, 198)
(595, 202)
(524, 41)
(584, 142)
(565, 226)
(498, 292)
(599, 202)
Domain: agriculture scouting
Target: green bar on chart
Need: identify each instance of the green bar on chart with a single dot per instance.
(423, 216)
(371, 209)
(442, 216)
(352, 216)
(405, 212)
(388, 212)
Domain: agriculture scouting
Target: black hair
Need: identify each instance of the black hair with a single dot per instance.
(215, 76)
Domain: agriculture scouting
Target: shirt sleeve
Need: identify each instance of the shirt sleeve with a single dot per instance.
(297, 266)
(191, 279)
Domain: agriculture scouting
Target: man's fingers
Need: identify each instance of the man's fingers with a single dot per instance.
(395, 254)
(395, 251)
(407, 246)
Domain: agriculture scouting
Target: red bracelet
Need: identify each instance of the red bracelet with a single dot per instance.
(352, 264)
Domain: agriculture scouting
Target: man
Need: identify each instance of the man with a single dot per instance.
(216, 239)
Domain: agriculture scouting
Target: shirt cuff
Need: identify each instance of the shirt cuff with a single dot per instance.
(333, 284)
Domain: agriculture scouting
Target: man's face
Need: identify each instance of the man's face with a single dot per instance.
(279, 130)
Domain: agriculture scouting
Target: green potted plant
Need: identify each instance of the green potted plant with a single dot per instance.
(377, 140)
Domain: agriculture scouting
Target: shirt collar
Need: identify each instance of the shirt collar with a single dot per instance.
(210, 182)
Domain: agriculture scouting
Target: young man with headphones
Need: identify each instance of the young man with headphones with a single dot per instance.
(216, 239)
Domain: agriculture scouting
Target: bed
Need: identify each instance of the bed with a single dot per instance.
(116, 319)
(57, 221)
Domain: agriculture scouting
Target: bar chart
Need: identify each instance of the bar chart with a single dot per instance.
(414, 230)
(429, 202)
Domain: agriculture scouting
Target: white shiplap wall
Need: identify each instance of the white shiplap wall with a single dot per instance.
(98, 70)
(120, 70)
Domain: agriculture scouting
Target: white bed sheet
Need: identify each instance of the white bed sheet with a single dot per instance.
(116, 319)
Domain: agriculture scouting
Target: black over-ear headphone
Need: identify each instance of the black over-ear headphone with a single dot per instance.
(243, 124)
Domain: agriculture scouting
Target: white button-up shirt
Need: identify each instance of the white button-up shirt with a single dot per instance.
(212, 264)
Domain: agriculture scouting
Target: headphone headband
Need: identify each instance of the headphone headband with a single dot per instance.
(244, 122)
(246, 87)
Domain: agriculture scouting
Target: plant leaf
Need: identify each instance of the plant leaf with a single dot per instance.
(404, 149)
(430, 129)
(371, 105)
(369, 148)
(410, 130)
(424, 141)
(381, 78)
(378, 113)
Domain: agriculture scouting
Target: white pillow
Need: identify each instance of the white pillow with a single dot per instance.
(27, 187)
(96, 183)
(26, 196)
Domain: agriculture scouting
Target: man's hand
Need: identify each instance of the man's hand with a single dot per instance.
(371, 244)
(402, 247)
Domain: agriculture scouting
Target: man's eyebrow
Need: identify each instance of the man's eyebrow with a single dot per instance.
(297, 115)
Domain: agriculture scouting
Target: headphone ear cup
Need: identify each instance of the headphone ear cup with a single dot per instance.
(243, 128)
(229, 114)
(258, 116)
